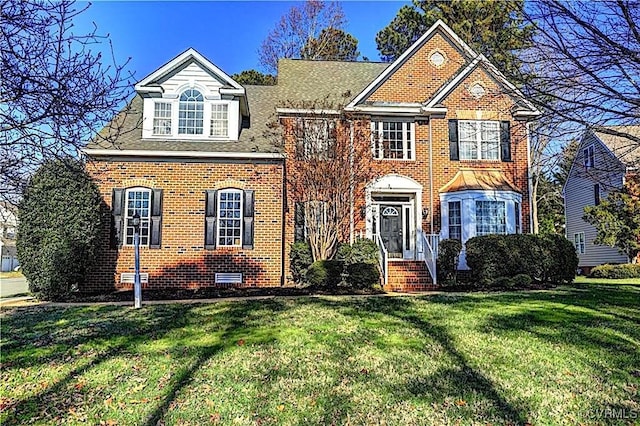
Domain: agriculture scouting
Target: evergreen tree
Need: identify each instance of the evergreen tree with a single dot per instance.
(494, 28)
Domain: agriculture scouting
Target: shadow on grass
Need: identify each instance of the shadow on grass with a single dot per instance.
(443, 384)
(100, 334)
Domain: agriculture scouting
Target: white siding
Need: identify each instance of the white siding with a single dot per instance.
(579, 193)
(192, 73)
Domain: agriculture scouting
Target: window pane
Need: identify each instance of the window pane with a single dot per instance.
(162, 118)
(393, 139)
(138, 201)
(190, 113)
(229, 214)
(455, 221)
(219, 122)
(490, 217)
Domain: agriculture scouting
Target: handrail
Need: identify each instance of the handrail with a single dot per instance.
(430, 253)
(383, 259)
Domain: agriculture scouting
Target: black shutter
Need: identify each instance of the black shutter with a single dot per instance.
(505, 140)
(453, 140)
(117, 214)
(210, 219)
(299, 223)
(155, 229)
(596, 194)
(247, 229)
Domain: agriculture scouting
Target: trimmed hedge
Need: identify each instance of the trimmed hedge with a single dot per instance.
(627, 270)
(543, 258)
(324, 273)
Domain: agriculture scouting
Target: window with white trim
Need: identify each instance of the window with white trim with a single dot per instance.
(455, 221)
(229, 218)
(220, 120)
(191, 113)
(479, 140)
(516, 208)
(578, 241)
(491, 217)
(162, 118)
(393, 139)
(137, 200)
(589, 157)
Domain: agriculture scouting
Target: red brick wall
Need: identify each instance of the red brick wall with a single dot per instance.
(416, 81)
(182, 261)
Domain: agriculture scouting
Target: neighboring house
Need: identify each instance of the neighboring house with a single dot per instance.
(600, 166)
(448, 133)
(8, 228)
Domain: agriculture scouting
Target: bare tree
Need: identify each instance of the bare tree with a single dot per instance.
(585, 63)
(329, 163)
(56, 92)
(310, 31)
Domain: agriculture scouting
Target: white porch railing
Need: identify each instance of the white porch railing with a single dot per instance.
(429, 245)
(383, 258)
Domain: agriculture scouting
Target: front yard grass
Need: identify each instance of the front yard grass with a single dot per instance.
(545, 357)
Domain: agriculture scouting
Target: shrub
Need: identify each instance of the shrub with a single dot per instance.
(59, 228)
(360, 263)
(447, 263)
(550, 258)
(300, 259)
(561, 259)
(324, 273)
(363, 275)
(361, 251)
(627, 270)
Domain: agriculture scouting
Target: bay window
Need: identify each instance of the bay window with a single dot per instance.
(491, 217)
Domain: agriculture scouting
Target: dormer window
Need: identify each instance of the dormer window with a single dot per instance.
(191, 113)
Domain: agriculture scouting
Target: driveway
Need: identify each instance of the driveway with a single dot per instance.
(13, 286)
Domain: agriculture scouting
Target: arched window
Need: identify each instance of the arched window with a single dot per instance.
(191, 113)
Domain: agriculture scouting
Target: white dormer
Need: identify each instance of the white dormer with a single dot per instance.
(191, 98)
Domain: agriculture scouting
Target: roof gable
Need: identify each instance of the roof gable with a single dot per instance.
(150, 83)
(439, 28)
(624, 149)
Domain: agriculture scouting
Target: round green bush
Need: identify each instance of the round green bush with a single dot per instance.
(324, 273)
(363, 275)
(59, 228)
(447, 263)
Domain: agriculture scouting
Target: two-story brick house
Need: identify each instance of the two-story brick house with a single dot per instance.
(448, 136)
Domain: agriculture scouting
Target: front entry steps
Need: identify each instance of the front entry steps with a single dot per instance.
(407, 276)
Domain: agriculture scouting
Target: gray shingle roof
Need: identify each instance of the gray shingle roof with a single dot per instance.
(300, 83)
(627, 150)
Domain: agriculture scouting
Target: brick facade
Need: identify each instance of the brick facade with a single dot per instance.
(182, 261)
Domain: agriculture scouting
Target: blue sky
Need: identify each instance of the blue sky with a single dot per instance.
(227, 33)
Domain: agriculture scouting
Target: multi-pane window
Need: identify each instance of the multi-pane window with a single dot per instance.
(578, 241)
(393, 139)
(219, 120)
(479, 140)
(517, 213)
(138, 200)
(490, 217)
(589, 157)
(230, 217)
(455, 221)
(162, 118)
(316, 137)
(191, 113)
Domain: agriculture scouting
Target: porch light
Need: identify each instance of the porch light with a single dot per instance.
(425, 212)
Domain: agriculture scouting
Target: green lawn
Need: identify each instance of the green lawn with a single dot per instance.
(567, 356)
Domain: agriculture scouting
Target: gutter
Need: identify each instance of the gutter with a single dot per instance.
(179, 154)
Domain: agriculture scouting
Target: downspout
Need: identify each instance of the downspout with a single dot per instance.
(430, 178)
(351, 179)
(284, 223)
(529, 179)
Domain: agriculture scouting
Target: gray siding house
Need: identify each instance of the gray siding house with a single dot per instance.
(600, 166)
